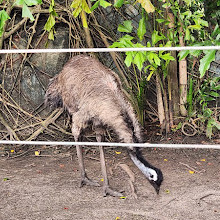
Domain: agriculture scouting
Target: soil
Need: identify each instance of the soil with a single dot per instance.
(47, 186)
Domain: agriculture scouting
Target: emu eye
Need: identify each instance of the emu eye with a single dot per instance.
(151, 176)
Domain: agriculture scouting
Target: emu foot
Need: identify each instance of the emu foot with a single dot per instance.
(87, 181)
(111, 192)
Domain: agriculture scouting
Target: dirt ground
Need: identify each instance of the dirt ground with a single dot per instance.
(46, 186)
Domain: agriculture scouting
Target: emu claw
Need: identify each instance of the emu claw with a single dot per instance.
(111, 192)
(87, 181)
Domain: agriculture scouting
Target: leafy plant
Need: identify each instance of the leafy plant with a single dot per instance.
(49, 26)
(98, 3)
(80, 8)
(206, 94)
(25, 7)
(3, 18)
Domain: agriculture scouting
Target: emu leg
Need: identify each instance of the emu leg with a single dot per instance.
(84, 179)
(106, 188)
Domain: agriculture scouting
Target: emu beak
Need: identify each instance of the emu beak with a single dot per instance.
(157, 190)
(156, 187)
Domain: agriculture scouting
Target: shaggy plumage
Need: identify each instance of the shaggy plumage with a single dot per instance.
(91, 92)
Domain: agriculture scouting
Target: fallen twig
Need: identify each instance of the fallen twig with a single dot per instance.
(131, 181)
(191, 168)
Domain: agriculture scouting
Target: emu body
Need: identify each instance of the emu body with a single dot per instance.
(91, 92)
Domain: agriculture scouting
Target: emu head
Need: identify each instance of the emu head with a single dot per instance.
(155, 177)
(153, 174)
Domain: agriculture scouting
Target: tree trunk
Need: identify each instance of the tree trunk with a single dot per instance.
(160, 105)
(182, 75)
(173, 88)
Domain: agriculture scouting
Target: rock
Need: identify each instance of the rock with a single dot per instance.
(52, 63)
(31, 86)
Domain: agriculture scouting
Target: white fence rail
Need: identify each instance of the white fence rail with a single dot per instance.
(110, 144)
(84, 50)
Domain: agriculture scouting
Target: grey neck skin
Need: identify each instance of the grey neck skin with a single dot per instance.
(147, 171)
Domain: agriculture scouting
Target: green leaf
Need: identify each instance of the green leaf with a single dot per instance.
(51, 35)
(117, 45)
(50, 23)
(168, 44)
(217, 87)
(85, 6)
(188, 2)
(195, 53)
(195, 27)
(26, 12)
(129, 58)
(119, 3)
(206, 61)
(161, 20)
(167, 56)
(96, 5)
(214, 94)
(76, 4)
(203, 22)
(3, 18)
(32, 2)
(151, 73)
(156, 37)
(139, 59)
(52, 3)
(166, 5)
(124, 41)
(141, 29)
(209, 129)
(105, 4)
(216, 124)
(211, 123)
(183, 54)
(126, 27)
(153, 57)
(216, 31)
(76, 12)
(19, 2)
(207, 113)
(187, 35)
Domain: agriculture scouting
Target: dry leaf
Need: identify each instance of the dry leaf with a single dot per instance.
(37, 153)
(117, 152)
(167, 191)
(147, 5)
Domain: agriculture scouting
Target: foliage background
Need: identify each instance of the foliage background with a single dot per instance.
(173, 90)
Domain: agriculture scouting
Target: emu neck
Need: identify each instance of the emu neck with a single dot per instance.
(142, 164)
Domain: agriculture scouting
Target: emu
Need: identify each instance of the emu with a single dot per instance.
(92, 93)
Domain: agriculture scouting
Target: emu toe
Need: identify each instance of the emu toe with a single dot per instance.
(111, 192)
(88, 182)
